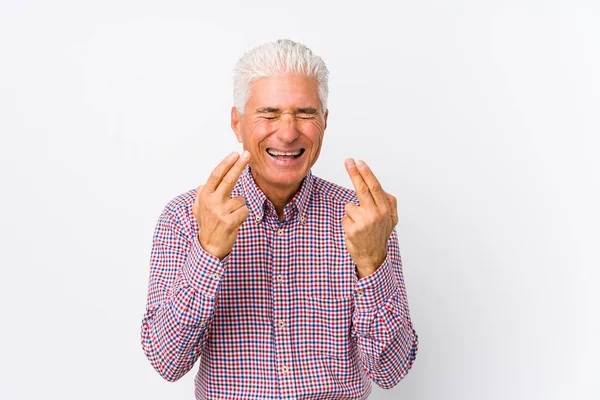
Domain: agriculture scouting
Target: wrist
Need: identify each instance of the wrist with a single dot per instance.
(369, 266)
(212, 251)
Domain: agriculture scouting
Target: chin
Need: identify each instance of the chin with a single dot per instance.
(287, 178)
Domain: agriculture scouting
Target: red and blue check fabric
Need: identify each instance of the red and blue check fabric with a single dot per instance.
(283, 315)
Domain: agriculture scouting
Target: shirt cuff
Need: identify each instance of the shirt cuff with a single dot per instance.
(374, 290)
(203, 271)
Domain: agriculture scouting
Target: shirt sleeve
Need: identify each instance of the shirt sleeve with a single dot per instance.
(381, 324)
(183, 284)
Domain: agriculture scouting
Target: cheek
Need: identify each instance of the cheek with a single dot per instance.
(255, 134)
(315, 133)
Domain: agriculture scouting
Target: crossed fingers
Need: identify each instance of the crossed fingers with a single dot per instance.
(368, 189)
(223, 178)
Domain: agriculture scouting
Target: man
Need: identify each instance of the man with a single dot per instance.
(286, 286)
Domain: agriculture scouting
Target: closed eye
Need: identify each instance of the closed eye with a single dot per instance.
(306, 116)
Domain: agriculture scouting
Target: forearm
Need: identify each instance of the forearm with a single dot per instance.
(183, 286)
(387, 342)
(382, 325)
(174, 332)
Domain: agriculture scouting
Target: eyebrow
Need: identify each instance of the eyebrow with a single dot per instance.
(307, 110)
(269, 110)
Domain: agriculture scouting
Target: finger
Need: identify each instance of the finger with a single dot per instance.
(347, 224)
(240, 215)
(235, 203)
(198, 191)
(393, 208)
(231, 177)
(352, 211)
(373, 184)
(362, 190)
(219, 172)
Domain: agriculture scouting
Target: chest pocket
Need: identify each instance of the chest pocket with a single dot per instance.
(329, 321)
(323, 278)
(327, 302)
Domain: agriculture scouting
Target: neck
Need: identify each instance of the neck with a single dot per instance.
(280, 196)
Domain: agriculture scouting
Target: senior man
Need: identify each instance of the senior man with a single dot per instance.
(286, 286)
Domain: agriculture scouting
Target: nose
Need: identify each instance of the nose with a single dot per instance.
(287, 130)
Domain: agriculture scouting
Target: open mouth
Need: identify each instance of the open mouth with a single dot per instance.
(285, 154)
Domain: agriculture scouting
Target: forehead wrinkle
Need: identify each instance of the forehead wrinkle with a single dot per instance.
(297, 110)
(262, 110)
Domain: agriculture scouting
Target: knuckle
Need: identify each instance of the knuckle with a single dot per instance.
(230, 224)
(363, 189)
(372, 219)
(241, 200)
(376, 187)
(245, 212)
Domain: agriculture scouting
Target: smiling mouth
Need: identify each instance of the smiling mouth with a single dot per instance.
(285, 154)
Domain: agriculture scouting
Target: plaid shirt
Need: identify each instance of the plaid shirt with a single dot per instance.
(283, 315)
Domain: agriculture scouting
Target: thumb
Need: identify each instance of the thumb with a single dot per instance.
(393, 208)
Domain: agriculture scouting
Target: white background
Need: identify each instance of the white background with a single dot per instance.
(481, 117)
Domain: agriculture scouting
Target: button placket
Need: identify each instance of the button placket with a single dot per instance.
(280, 317)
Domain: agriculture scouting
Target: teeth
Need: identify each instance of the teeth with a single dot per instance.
(283, 153)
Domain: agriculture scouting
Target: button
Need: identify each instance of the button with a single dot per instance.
(202, 324)
(215, 276)
(284, 370)
(302, 219)
(360, 293)
(280, 232)
(257, 219)
(281, 323)
(279, 278)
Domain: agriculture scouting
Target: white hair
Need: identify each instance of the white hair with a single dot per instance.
(276, 59)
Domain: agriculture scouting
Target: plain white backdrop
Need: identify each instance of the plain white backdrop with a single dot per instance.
(481, 117)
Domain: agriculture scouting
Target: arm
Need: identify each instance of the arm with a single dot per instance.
(381, 324)
(185, 275)
(182, 288)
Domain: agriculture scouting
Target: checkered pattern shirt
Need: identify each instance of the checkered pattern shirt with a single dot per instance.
(283, 315)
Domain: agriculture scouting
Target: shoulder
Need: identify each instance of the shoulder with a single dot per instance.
(181, 203)
(332, 193)
(178, 211)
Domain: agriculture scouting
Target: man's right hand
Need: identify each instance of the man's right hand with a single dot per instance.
(219, 216)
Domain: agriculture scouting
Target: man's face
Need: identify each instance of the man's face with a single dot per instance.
(282, 128)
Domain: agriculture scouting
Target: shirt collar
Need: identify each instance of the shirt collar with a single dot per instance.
(257, 201)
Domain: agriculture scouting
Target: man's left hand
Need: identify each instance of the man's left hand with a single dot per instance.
(368, 227)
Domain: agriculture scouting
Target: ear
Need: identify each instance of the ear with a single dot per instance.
(326, 115)
(236, 122)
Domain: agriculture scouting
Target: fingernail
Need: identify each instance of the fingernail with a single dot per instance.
(245, 155)
(349, 162)
(233, 155)
(360, 163)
